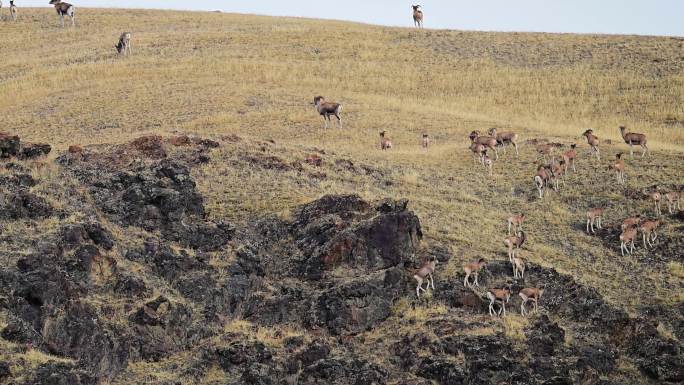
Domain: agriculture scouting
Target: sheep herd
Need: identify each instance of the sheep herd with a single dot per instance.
(550, 174)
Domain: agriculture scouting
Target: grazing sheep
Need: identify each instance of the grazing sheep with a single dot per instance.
(64, 9)
(505, 138)
(487, 141)
(124, 44)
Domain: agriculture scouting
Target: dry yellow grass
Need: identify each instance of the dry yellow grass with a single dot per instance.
(218, 74)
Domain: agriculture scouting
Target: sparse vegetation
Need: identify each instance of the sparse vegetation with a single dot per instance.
(247, 82)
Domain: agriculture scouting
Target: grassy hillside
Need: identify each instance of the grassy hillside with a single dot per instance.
(218, 75)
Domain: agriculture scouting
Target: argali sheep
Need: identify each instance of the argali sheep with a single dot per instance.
(474, 270)
(619, 167)
(631, 222)
(417, 16)
(558, 170)
(593, 141)
(325, 109)
(530, 294)
(486, 141)
(478, 150)
(516, 222)
(514, 242)
(544, 150)
(425, 272)
(505, 138)
(627, 237)
(655, 195)
(487, 161)
(385, 142)
(633, 138)
(124, 44)
(64, 9)
(519, 267)
(543, 178)
(426, 141)
(13, 10)
(672, 198)
(569, 157)
(498, 295)
(594, 216)
(648, 231)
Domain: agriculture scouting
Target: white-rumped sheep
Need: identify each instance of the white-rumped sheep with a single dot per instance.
(505, 138)
(124, 44)
(417, 16)
(633, 138)
(64, 9)
(325, 109)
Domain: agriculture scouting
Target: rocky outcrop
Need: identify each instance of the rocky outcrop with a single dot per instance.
(9, 145)
(139, 185)
(345, 230)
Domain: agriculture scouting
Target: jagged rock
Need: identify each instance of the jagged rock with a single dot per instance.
(242, 352)
(358, 304)
(443, 371)
(160, 327)
(53, 373)
(34, 150)
(9, 145)
(658, 357)
(77, 331)
(151, 146)
(131, 286)
(317, 350)
(599, 358)
(544, 336)
(344, 229)
(23, 204)
(154, 195)
(5, 371)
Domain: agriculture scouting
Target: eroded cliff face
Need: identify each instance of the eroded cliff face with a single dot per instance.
(128, 275)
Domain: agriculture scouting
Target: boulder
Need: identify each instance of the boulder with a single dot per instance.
(34, 150)
(9, 145)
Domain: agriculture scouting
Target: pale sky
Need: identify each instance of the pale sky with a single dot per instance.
(643, 17)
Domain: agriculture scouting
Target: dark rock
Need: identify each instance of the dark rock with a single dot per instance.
(4, 370)
(53, 373)
(99, 235)
(656, 356)
(155, 195)
(599, 358)
(131, 286)
(317, 350)
(544, 336)
(161, 327)
(78, 332)
(151, 146)
(9, 145)
(258, 374)
(442, 371)
(23, 204)
(34, 150)
(241, 352)
(86, 255)
(359, 304)
(344, 229)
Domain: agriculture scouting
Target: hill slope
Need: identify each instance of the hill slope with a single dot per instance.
(221, 270)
